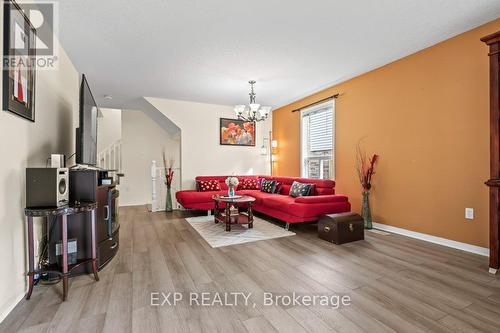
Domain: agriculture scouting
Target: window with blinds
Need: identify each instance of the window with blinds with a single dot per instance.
(321, 130)
(317, 144)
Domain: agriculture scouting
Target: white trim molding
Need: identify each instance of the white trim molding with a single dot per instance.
(11, 305)
(434, 239)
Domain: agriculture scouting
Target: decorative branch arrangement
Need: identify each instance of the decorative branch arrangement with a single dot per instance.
(169, 172)
(169, 176)
(365, 167)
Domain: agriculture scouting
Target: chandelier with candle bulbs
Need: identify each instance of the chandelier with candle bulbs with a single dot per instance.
(253, 111)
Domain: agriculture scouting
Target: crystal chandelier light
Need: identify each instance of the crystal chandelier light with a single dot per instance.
(252, 111)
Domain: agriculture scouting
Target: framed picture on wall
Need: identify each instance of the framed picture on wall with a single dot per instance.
(19, 62)
(235, 132)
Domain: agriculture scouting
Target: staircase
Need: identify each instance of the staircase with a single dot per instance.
(111, 157)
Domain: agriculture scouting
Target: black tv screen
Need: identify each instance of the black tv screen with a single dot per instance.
(86, 141)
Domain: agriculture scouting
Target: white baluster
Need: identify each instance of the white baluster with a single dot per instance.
(154, 207)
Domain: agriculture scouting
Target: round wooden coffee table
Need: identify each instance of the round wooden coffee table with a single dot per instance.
(230, 214)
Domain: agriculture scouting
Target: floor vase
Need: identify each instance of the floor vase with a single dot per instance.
(365, 210)
(168, 203)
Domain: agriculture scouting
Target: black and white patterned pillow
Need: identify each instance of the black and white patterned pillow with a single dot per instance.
(268, 186)
(300, 190)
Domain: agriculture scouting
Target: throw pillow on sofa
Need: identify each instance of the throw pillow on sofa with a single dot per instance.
(268, 186)
(300, 190)
(248, 184)
(208, 185)
(279, 187)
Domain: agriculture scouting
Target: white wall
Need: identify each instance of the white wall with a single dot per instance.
(109, 128)
(144, 140)
(23, 144)
(201, 153)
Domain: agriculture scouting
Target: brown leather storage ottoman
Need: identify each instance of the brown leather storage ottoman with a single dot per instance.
(341, 228)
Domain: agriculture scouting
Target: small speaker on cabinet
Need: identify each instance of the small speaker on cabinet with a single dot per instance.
(58, 161)
(47, 187)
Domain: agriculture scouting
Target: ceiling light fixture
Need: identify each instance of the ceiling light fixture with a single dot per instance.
(252, 111)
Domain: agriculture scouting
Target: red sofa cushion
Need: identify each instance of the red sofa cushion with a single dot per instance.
(208, 185)
(321, 199)
(248, 184)
(285, 189)
(278, 201)
(257, 194)
(190, 197)
(315, 210)
(220, 179)
(334, 208)
(304, 206)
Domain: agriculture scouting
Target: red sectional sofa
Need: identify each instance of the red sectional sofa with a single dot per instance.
(281, 206)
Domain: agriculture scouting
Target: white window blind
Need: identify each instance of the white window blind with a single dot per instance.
(317, 141)
(321, 130)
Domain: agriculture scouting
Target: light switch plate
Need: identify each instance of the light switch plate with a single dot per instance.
(469, 213)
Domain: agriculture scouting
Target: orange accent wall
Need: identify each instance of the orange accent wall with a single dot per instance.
(427, 116)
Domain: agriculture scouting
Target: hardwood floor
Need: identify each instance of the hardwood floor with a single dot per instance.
(396, 284)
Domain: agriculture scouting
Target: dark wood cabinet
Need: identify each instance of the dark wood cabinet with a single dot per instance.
(493, 42)
(84, 187)
(101, 228)
(107, 249)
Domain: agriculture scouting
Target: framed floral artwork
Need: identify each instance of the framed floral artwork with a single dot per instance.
(19, 62)
(235, 132)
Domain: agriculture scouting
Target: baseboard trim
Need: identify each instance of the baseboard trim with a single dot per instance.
(434, 239)
(11, 306)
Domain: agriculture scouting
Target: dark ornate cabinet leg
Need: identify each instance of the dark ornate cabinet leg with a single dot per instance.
(216, 211)
(250, 215)
(31, 258)
(228, 217)
(94, 260)
(65, 255)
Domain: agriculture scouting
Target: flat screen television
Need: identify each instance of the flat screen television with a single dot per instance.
(86, 134)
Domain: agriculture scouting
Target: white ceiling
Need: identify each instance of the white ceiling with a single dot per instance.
(207, 50)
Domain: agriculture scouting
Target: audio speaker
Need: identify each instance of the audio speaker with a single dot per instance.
(46, 187)
(58, 161)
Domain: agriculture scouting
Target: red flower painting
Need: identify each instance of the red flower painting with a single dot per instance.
(236, 132)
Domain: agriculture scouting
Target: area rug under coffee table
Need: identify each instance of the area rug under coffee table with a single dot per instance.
(217, 236)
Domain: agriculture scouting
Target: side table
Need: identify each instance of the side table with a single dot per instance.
(225, 215)
(63, 213)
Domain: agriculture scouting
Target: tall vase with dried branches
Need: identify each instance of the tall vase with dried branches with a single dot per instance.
(365, 168)
(169, 176)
